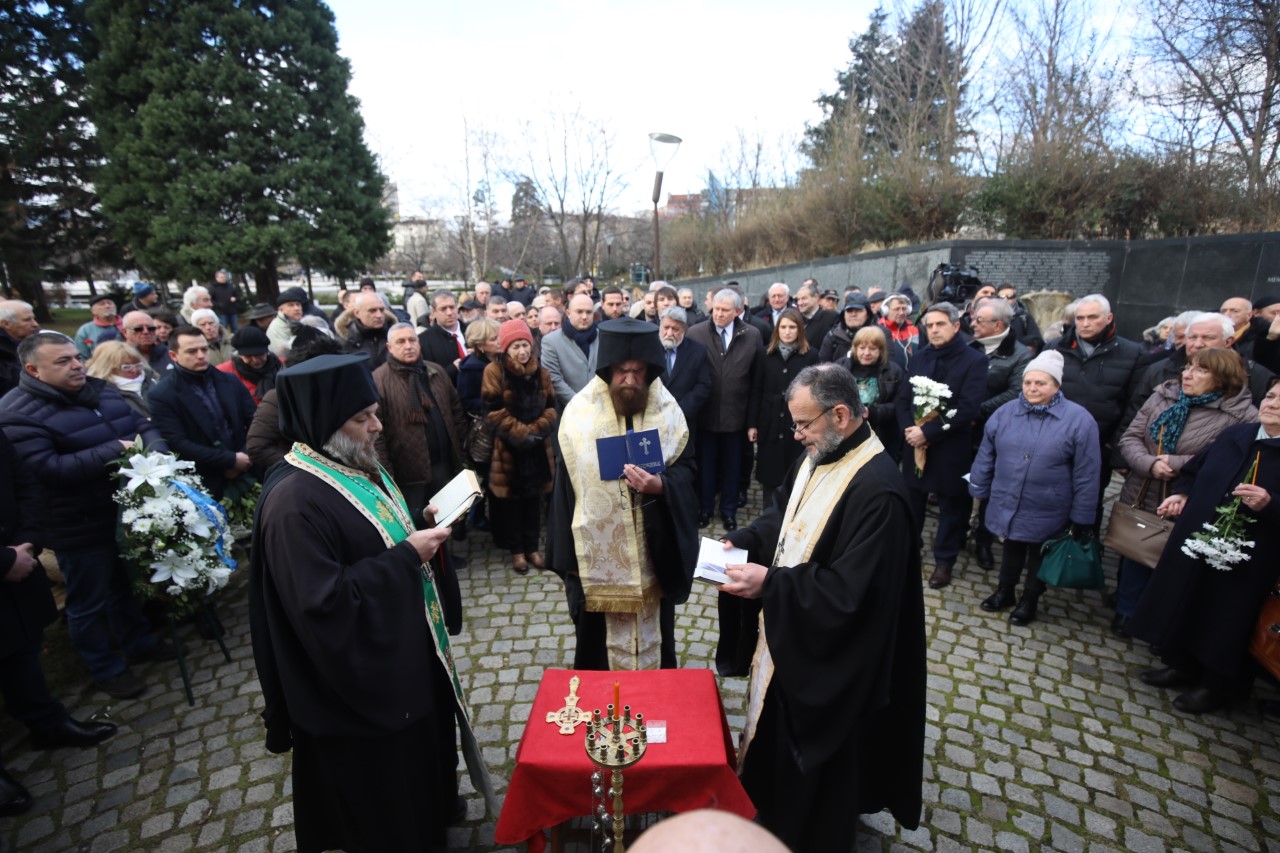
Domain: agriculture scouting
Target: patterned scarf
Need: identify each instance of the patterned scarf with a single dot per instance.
(1173, 419)
(1043, 408)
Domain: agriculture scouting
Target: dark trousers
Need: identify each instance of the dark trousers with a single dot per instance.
(26, 693)
(1131, 581)
(953, 520)
(516, 523)
(719, 464)
(982, 535)
(739, 630)
(100, 607)
(1017, 556)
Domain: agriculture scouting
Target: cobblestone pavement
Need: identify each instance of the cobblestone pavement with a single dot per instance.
(1037, 738)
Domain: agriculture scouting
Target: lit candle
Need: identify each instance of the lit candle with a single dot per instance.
(617, 701)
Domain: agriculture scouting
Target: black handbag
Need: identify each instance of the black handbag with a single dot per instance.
(1136, 533)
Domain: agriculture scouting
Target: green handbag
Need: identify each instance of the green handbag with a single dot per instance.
(1070, 563)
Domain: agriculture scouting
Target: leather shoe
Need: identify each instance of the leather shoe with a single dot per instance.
(704, 519)
(986, 560)
(1025, 612)
(14, 799)
(535, 559)
(519, 564)
(999, 600)
(1201, 700)
(1120, 626)
(1167, 677)
(71, 732)
(941, 576)
(730, 523)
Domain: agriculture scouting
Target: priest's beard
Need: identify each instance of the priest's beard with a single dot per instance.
(824, 446)
(629, 399)
(352, 453)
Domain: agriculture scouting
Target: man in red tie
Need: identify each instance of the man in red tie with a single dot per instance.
(443, 342)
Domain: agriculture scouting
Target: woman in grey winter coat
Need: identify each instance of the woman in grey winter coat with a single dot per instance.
(1038, 466)
(1180, 419)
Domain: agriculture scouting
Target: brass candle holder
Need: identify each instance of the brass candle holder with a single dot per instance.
(614, 743)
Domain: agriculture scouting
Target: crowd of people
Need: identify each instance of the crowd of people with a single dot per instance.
(819, 396)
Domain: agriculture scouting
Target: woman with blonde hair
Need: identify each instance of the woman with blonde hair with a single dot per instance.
(879, 381)
(124, 367)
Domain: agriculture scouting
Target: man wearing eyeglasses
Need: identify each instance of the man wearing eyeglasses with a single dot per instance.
(69, 429)
(833, 564)
(624, 548)
(140, 331)
(1006, 358)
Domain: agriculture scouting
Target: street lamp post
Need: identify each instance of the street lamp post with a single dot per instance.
(662, 147)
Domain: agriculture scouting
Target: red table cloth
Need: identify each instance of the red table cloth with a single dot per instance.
(694, 769)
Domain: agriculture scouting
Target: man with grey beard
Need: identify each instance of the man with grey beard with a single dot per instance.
(348, 634)
(687, 376)
(834, 565)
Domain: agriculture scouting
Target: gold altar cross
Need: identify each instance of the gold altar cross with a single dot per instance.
(570, 715)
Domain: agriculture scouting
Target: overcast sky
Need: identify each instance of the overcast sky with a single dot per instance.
(699, 69)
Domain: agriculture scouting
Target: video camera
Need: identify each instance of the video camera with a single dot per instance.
(952, 283)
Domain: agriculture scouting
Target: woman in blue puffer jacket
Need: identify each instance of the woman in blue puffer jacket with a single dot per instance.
(1038, 466)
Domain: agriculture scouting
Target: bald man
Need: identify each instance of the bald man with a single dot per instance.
(368, 330)
(1257, 329)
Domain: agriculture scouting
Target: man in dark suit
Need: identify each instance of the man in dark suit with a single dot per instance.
(735, 355)
(442, 342)
(203, 414)
(779, 300)
(687, 375)
(817, 320)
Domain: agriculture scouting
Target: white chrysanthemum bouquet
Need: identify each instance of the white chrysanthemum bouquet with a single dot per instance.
(176, 535)
(1223, 543)
(930, 398)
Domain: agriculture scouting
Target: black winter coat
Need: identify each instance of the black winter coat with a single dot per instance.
(185, 423)
(883, 413)
(777, 446)
(1102, 382)
(10, 367)
(1190, 609)
(68, 444)
(1004, 374)
(27, 605)
(950, 450)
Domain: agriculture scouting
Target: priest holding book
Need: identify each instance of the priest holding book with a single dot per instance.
(836, 704)
(624, 537)
(350, 644)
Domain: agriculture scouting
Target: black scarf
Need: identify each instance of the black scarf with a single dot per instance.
(581, 338)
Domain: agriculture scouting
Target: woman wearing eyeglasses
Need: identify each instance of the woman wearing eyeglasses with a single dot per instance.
(121, 364)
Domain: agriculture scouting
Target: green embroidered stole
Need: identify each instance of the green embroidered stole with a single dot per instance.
(389, 515)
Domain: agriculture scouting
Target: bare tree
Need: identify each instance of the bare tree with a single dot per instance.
(576, 184)
(1221, 87)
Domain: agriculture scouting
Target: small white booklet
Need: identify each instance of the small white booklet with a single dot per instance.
(456, 497)
(712, 558)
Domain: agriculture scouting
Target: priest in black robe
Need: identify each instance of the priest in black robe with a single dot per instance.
(348, 636)
(625, 548)
(836, 704)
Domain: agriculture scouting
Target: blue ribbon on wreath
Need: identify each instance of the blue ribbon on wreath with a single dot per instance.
(213, 511)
